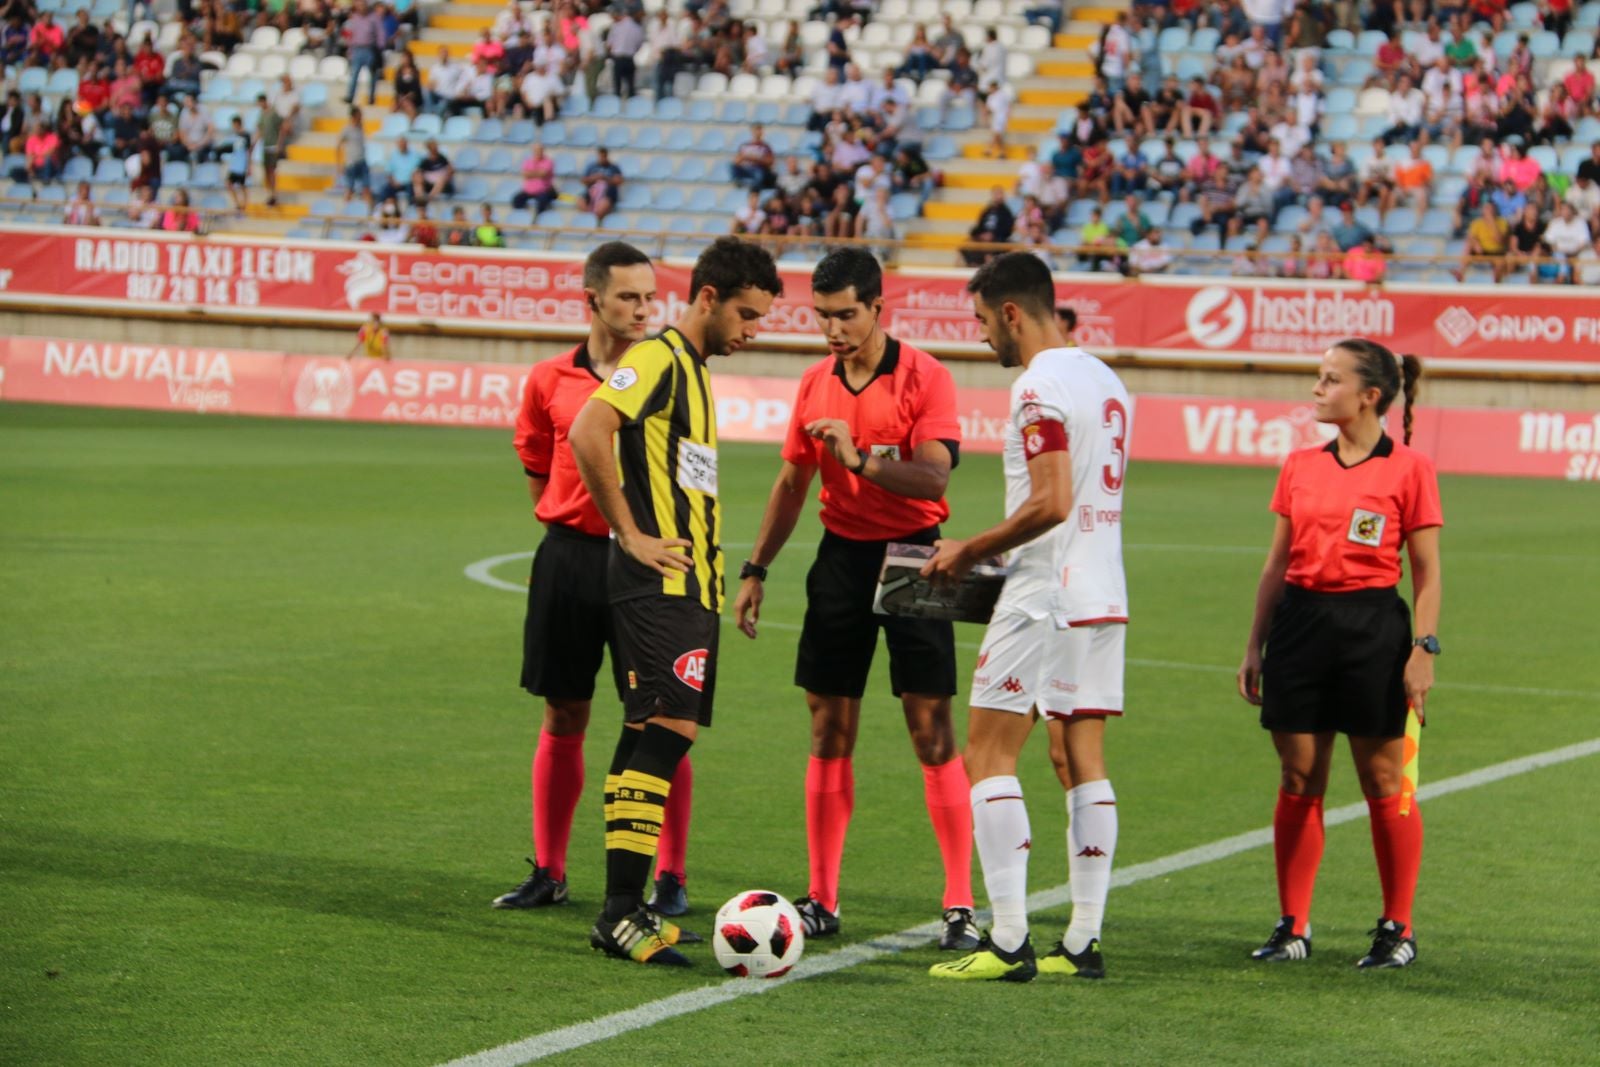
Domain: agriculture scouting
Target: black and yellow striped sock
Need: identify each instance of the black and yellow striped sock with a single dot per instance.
(633, 819)
(619, 763)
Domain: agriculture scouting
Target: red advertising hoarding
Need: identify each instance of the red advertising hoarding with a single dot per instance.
(1513, 442)
(1550, 327)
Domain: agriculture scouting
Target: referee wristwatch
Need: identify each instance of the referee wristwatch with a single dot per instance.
(1428, 643)
(752, 570)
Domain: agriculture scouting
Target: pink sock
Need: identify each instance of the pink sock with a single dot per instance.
(557, 784)
(949, 797)
(673, 844)
(830, 797)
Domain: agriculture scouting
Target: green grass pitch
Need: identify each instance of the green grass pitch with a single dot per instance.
(264, 762)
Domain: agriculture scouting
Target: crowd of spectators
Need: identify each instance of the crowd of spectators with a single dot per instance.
(1442, 83)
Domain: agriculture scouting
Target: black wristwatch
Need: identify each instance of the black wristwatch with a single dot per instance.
(752, 570)
(1428, 643)
(863, 456)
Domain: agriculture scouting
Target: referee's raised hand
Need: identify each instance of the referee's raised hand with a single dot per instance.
(663, 555)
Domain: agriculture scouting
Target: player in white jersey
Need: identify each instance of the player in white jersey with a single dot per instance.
(1054, 646)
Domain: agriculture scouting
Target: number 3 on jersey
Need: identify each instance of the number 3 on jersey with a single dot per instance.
(1114, 417)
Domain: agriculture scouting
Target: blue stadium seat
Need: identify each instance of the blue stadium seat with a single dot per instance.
(566, 163)
(213, 201)
(616, 138)
(633, 195)
(583, 135)
(1368, 217)
(1289, 218)
(499, 161)
(1189, 66)
(552, 134)
(489, 131)
(394, 125)
(796, 114)
(1354, 72)
(328, 205)
(959, 119)
(78, 168)
(1544, 44)
(174, 175)
(940, 147)
(472, 187)
(702, 199)
(520, 132)
(246, 91)
(19, 191)
(782, 141)
(1182, 215)
(683, 224)
(1577, 43)
(1448, 190)
(668, 198)
(468, 159)
(605, 106)
(1341, 41)
(734, 111)
(1078, 211)
(1157, 211)
(657, 169)
(1545, 155)
(1340, 100)
(637, 107)
(732, 199)
(575, 106)
(505, 188)
(314, 95)
(690, 169)
(456, 129)
(426, 125)
(711, 141)
(1402, 222)
(720, 171)
(63, 82)
(927, 118)
(1205, 39)
(647, 138)
(1340, 127)
(1588, 17)
(767, 112)
(559, 216)
(110, 171)
(218, 88)
(903, 206)
(519, 216)
(33, 80)
(669, 109)
(1173, 39)
(701, 111)
(1436, 223)
(1524, 16)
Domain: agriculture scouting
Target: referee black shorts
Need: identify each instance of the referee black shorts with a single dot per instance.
(1336, 662)
(568, 625)
(667, 657)
(840, 633)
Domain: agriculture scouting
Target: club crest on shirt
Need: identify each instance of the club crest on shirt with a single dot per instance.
(623, 379)
(1366, 527)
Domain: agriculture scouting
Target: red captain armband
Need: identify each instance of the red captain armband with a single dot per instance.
(1045, 435)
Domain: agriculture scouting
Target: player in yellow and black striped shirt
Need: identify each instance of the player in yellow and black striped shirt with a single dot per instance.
(646, 446)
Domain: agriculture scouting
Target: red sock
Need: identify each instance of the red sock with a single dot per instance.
(1397, 842)
(1297, 838)
(557, 784)
(949, 797)
(830, 797)
(673, 844)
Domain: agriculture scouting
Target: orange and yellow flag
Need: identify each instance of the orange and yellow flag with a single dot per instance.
(1410, 767)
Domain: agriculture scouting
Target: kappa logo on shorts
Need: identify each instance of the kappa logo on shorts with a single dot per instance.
(691, 669)
(1012, 685)
(623, 379)
(1366, 527)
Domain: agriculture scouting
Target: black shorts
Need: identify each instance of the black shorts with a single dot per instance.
(840, 633)
(1336, 661)
(667, 657)
(569, 617)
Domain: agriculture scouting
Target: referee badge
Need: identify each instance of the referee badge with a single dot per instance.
(1366, 527)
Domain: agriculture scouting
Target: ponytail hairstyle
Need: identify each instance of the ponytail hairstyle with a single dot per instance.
(1393, 376)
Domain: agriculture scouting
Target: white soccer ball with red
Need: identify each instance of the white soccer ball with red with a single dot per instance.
(758, 935)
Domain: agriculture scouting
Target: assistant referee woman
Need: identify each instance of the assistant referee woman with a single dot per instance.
(1331, 647)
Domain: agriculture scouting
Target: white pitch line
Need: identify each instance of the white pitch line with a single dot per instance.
(579, 1035)
(481, 572)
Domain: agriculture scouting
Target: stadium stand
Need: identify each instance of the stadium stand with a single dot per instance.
(1378, 140)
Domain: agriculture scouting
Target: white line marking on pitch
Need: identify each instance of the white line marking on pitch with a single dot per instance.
(656, 1011)
(481, 572)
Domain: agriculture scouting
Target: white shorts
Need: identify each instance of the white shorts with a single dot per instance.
(1025, 663)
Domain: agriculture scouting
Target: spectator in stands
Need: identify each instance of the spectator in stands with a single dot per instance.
(390, 227)
(80, 134)
(180, 218)
(422, 230)
(1566, 234)
(837, 46)
(791, 57)
(1201, 169)
(920, 59)
(1525, 238)
(602, 183)
(350, 156)
(998, 105)
(1201, 112)
(234, 151)
(748, 217)
(1149, 255)
(1165, 111)
(826, 98)
(1413, 180)
(125, 129)
(486, 49)
(809, 214)
(487, 234)
(1488, 240)
(870, 177)
(1325, 260)
(447, 81)
(151, 69)
(41, 156)
(1133, 225)
(666, 42)
(83, 39)
(143, 211)
(1129, 173)
(272, 134)
(81, 210)
(45, 40)
(144, 164)
(409, 93)
(162, 124)
(1580, 86)
(538, 181)
(1376, 174)
(874, 221)
(840, 218)
(994, 226)
(1365, 262)
(196, 133)
(753, 162)
(1238, 82)
(14, 40)
(793, 180)
(1116, 53)
(1095, 242)
(757, 52)
(434, 176)
(991, 60)
(1584, 196)
(1405, 111)
(402, 167)
(1387, 63)
(1508, 200)
(1254, 200)
(1130, 109)
(126, 88)
(1094, 174)
(622, 44)
(1586, 267)
(911, 173)
(848, 152)
(1349, 231)
(1293, 263)
(855, 93)
(459, 233)
(962, 88)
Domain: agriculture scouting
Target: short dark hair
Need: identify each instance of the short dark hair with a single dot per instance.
(1069, 315)
(1018, 277)
(849, 266)
(597, 268)
(730, 264)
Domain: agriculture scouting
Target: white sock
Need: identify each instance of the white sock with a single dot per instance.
(1000, 826)
(1091, 845)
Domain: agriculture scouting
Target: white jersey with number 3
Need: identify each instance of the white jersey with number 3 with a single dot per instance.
(1072, 573)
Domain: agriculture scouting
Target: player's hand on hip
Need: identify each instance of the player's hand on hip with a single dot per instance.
(1250, 677)
(949, 563)
(747, 605)
(660, 554)
(835, 434)
(1419, 679)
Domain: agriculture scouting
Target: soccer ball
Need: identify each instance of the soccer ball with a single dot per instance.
(758, 935)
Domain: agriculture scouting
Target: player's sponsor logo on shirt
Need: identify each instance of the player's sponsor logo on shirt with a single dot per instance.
(690, 669)
(623, 379)
(697, 467)
(1366, 527)
(886, 451)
